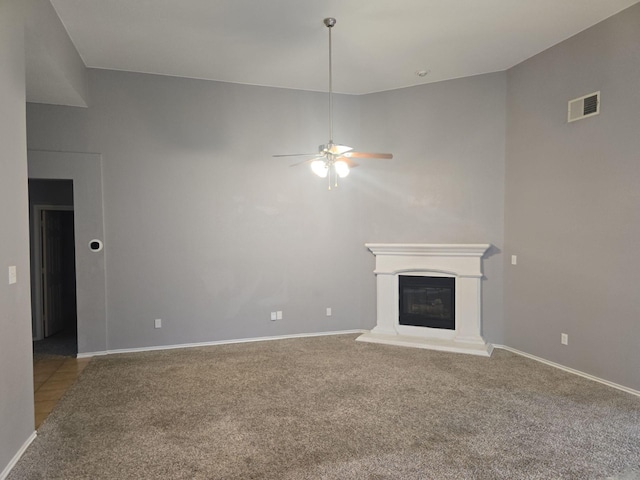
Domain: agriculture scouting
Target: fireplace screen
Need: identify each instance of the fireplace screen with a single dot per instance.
(427, 301)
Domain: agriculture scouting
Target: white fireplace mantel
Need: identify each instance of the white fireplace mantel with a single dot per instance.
(460, 261)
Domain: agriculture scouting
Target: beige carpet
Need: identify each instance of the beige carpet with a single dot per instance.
(333, 408)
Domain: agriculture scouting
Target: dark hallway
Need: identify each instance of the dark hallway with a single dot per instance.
(53, 269)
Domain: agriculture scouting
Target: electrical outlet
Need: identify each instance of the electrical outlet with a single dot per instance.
(564, 339)
(13, 277)
(514, 259)
(274, 316)
(328, 311)
(279, 315)
(157, 323)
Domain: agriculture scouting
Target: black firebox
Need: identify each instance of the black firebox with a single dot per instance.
(428, 301)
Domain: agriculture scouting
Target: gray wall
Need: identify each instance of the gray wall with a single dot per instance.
(16, 371)
(572, 203)
(207, 231)
(55, 73)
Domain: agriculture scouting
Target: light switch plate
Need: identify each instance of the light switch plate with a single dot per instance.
(158, 323)
(13, 276)
(514, 259)
(328, 311)
(279, 315)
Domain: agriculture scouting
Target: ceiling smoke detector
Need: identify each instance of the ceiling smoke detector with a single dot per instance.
(423, 73)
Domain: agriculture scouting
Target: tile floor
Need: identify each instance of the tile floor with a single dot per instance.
(52, 377)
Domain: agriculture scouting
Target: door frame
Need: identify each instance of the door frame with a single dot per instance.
(36, 246)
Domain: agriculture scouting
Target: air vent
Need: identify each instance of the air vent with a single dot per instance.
(584, 107)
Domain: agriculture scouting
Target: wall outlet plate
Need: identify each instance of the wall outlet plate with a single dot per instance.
(157, 323)
(13, 276)
(279, 315)
(564, 339)
(274, 316)
(328, 311)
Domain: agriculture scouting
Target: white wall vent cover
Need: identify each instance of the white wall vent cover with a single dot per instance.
(584, 107)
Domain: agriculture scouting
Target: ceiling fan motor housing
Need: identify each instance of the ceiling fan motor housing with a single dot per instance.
(329, 22)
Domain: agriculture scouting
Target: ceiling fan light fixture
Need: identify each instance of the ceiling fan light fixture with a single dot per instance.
(320, 168)
(333, 160)
(342, 169)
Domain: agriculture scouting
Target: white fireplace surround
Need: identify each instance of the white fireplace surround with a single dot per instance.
(460, 261)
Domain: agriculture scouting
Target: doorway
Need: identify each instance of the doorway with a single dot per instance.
(83, 174)
(54, 306)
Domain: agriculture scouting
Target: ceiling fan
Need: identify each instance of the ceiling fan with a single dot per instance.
(333, 160)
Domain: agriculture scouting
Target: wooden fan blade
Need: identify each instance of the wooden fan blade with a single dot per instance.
(296, 155)
(306, 161)
(386, 156)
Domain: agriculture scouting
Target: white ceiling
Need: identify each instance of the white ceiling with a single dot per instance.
(378, 44)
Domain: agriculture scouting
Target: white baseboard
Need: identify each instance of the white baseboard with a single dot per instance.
(215, 342)
(343, 332)
(91, 354)
(570, 370)
(16, 457)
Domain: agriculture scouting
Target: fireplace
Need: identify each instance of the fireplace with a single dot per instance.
(427, 301)
(429, 296)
